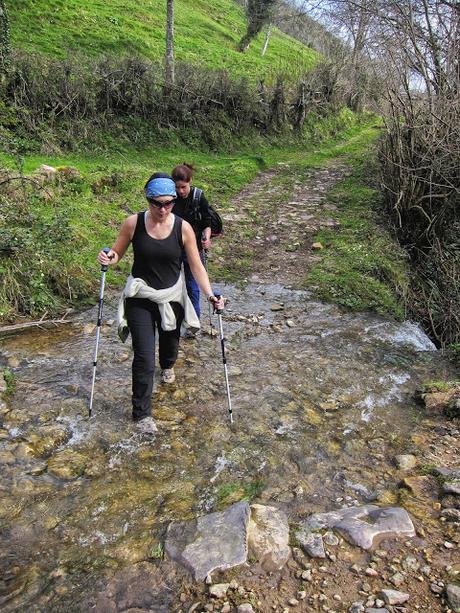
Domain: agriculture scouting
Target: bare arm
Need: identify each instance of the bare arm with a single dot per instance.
(120, 246)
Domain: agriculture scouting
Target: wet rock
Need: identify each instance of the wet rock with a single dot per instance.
(423, 487)
(67, 464)
(7, 457)
(139, 586)
(13, 362)
(364, 526)
(393, 596)
(47, 439)
(311, 543)
(268, 537)
(442, 398)
(89, 328)
(212, 542)
(453, 597)
(405, 461)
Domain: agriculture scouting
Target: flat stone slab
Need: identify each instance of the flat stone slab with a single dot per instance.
(364, 526)
(268, 537)
(213, 542)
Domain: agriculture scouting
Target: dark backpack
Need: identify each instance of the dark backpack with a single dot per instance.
(216, 219)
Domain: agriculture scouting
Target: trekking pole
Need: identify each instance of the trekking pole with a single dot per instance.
(104, 269)
(224, 359)
(205, 264)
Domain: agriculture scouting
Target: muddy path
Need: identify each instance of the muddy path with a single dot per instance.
(323, 403)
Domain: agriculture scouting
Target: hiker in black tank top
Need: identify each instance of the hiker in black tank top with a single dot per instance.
(156, 302)
(157, 262)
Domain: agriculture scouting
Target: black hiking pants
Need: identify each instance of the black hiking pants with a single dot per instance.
(144, 322)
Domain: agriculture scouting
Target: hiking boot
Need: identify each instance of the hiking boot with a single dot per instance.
(167, 375)
(147, 425)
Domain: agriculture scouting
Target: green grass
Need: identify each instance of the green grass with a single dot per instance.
(206, 33)
(361, 266)
(56, 234)
(235, 491)
(10, 381)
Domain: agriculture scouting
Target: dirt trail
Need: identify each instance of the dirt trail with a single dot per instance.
(285, 216)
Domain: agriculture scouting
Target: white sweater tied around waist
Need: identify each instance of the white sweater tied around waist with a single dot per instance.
(138, 288)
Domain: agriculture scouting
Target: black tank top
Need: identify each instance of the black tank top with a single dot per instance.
(157, 261)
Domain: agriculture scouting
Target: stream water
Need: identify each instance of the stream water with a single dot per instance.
(322, 400)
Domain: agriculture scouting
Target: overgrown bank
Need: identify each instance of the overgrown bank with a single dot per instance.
(52, 225)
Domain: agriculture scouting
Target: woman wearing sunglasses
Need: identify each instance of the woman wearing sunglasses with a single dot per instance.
(155, 296)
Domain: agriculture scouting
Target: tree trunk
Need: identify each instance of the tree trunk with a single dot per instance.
(4, 38)
(169, 55)
(267, 39)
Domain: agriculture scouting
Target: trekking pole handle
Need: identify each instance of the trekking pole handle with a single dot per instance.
(218, 311)
(104, 267)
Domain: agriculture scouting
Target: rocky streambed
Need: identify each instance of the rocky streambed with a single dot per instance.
(97, 516)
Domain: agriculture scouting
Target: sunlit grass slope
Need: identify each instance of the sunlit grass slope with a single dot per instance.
(206, 32)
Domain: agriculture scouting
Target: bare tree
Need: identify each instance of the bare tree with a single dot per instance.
(169, 55)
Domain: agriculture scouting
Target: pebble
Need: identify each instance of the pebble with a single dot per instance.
(245, 608)
(219, 590)
(448, 545)
(371, 572)
(397, 579)
(393, 597)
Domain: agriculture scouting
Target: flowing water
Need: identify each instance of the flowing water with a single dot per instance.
(322, 401)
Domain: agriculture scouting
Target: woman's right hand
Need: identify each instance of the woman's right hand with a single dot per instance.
(107, 258)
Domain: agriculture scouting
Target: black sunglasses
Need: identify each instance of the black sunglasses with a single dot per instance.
(159, 204)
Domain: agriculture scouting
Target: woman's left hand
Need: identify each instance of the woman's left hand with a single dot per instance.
(217, 302)
(205, 243)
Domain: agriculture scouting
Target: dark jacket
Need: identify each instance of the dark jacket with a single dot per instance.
(199, 219)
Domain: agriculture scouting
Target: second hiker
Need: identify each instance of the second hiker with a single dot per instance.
(192, 205)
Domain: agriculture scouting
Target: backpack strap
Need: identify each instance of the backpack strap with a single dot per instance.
(196, 197)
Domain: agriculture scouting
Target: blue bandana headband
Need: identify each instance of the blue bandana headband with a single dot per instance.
(160, 187)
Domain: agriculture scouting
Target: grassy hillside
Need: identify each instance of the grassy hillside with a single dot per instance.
(206, 32)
